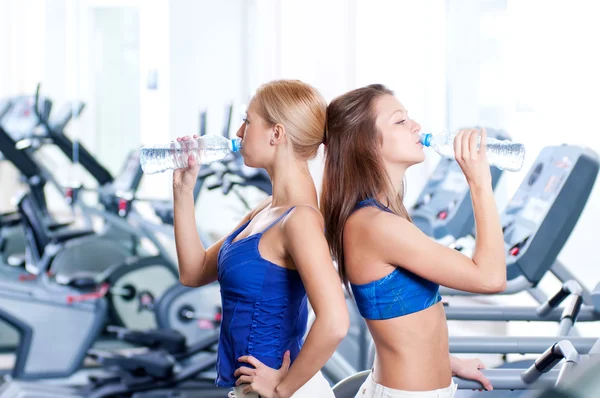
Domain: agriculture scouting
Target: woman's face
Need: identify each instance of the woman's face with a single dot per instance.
(256, 135)
(401, 143)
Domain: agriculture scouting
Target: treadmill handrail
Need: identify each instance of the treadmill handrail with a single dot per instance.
(64, 143)
(20, 159)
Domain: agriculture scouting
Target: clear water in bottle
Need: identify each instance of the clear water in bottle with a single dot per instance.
(175, 155)
(503, 154)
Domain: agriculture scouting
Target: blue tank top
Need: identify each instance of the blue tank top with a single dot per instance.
(265, 309)
(399, 293)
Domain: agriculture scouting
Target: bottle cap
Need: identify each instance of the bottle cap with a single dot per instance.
(425, 139)
(236, 144)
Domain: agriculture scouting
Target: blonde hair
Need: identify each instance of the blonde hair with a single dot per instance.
(300, 108)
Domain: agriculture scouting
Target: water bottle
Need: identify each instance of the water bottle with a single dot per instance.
(503, 154)
(206, 149)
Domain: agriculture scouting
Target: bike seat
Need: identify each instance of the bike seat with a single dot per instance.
(155, 364)
(169, 340)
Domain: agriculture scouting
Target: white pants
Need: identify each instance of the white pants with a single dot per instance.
(370, 389)
(317, 387)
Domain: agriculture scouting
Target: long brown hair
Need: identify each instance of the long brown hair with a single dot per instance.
(354, 169)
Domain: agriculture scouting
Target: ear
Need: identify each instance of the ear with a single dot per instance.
(278, 135)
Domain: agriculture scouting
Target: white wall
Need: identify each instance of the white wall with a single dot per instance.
(24, 51)
(557, 89)
(154, 55)
(402, 45)
(23, 64)
(206, 63)
(115, 60)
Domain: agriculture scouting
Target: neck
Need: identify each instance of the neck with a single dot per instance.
(292, 183)
(396, 174)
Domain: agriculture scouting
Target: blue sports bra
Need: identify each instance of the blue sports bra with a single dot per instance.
(399, 293)
(265, 308)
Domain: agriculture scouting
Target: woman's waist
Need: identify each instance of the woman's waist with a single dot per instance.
(259, 320)
(270, 354)
(233, 303)
(427, 329)
(411, 349)
(413, 371)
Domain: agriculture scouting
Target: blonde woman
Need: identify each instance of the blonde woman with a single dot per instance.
(274, 260)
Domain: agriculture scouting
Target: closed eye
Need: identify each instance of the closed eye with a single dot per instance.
(401, 122)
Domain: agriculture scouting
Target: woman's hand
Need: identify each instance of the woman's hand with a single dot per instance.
(184, 179)
(470, 369)
(473, 162)
(262, 380)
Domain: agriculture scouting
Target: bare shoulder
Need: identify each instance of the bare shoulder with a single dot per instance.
(367, 236)
(261, 206)
(372, 224)
(303, 218)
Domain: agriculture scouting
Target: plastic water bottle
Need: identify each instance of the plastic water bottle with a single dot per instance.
(503, 154)
(206, 149)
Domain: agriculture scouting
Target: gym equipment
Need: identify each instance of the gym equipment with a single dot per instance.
(129, 301)
(507, 313)
(73, 252)
(582, 382)
(36, 180)
(11, 241)
(36, 307)
(116, 287)
(169, 365)
(19, 125)
(554, 192)
(127, 305)
(39, 308)
(5, 106)
(113, 193)
(134, 282)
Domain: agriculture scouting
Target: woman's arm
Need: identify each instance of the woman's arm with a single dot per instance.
(197, 266)
(306, 244)
(401, 243)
